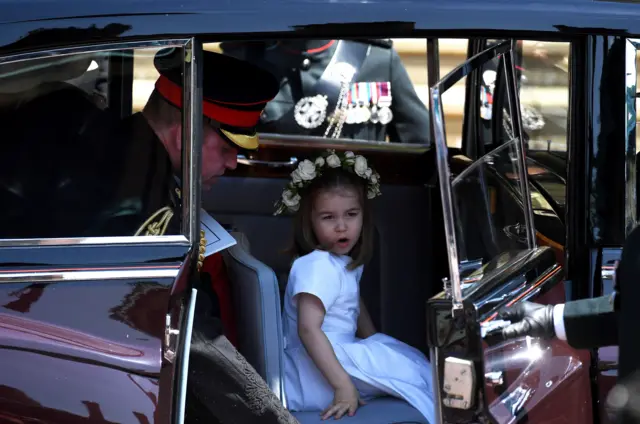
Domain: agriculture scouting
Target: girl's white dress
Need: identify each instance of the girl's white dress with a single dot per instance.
(378, 365)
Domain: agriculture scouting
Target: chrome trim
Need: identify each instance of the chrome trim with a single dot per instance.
(433, 72)
(437, 394)
(192, 129)
(80, 275)
(313, 142)
(97, 241)
(630, 167)
(93, 48)
(184, 368)
(442, 154)
(293, 161)
(444, 177)
(604, 366)
(607, 273)
(514, 110)
(88, 48)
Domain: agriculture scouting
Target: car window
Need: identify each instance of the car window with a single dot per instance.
(485, 218)
(488, 221)
(368, 90)
(73, 167)
(543, 88)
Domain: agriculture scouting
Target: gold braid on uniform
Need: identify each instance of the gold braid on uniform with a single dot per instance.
(153, 227)
(157, 224)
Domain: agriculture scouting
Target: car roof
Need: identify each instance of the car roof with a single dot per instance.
(106, 19)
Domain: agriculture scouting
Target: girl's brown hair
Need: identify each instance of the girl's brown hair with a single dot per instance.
(304, 239)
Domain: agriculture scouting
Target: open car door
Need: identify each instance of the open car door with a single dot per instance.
(494, 261)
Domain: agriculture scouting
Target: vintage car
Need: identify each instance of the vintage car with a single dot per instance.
(96, 328)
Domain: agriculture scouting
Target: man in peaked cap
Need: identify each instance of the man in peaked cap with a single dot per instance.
(222, 386)
(143, 154)
(234, 95)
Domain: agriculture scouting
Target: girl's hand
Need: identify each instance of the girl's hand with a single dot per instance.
(346, 399)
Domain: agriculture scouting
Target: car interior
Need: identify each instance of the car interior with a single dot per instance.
(409, 261)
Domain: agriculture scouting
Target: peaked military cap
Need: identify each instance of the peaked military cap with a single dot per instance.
(235, 92)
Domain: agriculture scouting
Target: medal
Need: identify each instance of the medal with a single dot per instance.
(384, 101)
(310, 112)
(350, 111)
(385, 115)
(365, 113)
(374, 102)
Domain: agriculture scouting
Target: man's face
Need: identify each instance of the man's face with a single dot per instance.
(218, 155)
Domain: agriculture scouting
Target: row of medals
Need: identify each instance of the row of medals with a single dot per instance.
(310, 112)
(365, 103)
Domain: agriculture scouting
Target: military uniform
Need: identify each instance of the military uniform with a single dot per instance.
(374, 92)
(222, 386)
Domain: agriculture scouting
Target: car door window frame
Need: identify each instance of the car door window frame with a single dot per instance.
(631, 71)
(506, 50)
(192, 122)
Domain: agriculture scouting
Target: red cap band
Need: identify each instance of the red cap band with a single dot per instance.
(236, 118)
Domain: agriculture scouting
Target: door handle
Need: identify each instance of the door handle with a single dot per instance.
(292, 162)
(516, 232)
(607, 366)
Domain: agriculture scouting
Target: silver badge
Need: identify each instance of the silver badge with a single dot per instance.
(364, 113)
(310, 112)
(385, 115)
(374, 114)
(351, 115)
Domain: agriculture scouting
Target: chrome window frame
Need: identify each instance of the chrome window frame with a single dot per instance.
(631, 75)
(192, 139)
(506, 48)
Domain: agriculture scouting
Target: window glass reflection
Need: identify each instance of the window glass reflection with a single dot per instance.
(489, 219)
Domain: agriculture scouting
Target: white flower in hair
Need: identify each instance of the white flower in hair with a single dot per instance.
(333, 161)
(290, 199)
(295, 177)
(307, 170)
(360, 166)
(349, 158)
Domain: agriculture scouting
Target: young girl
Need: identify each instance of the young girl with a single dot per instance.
(334, 359)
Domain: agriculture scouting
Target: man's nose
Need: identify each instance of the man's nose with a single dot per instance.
(231, 159)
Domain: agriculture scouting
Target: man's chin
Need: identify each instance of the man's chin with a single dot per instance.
(206, 185)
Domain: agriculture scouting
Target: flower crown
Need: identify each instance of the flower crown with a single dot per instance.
(307, 171)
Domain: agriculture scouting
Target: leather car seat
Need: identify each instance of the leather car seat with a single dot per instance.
(256, 302)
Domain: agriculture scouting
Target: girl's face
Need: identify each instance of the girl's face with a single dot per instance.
(336, 217)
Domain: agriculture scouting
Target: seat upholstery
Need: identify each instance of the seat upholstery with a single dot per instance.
(256, 302)
(385, 410)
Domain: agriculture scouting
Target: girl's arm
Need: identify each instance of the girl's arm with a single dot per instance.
(310, 316)
(365, 325)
